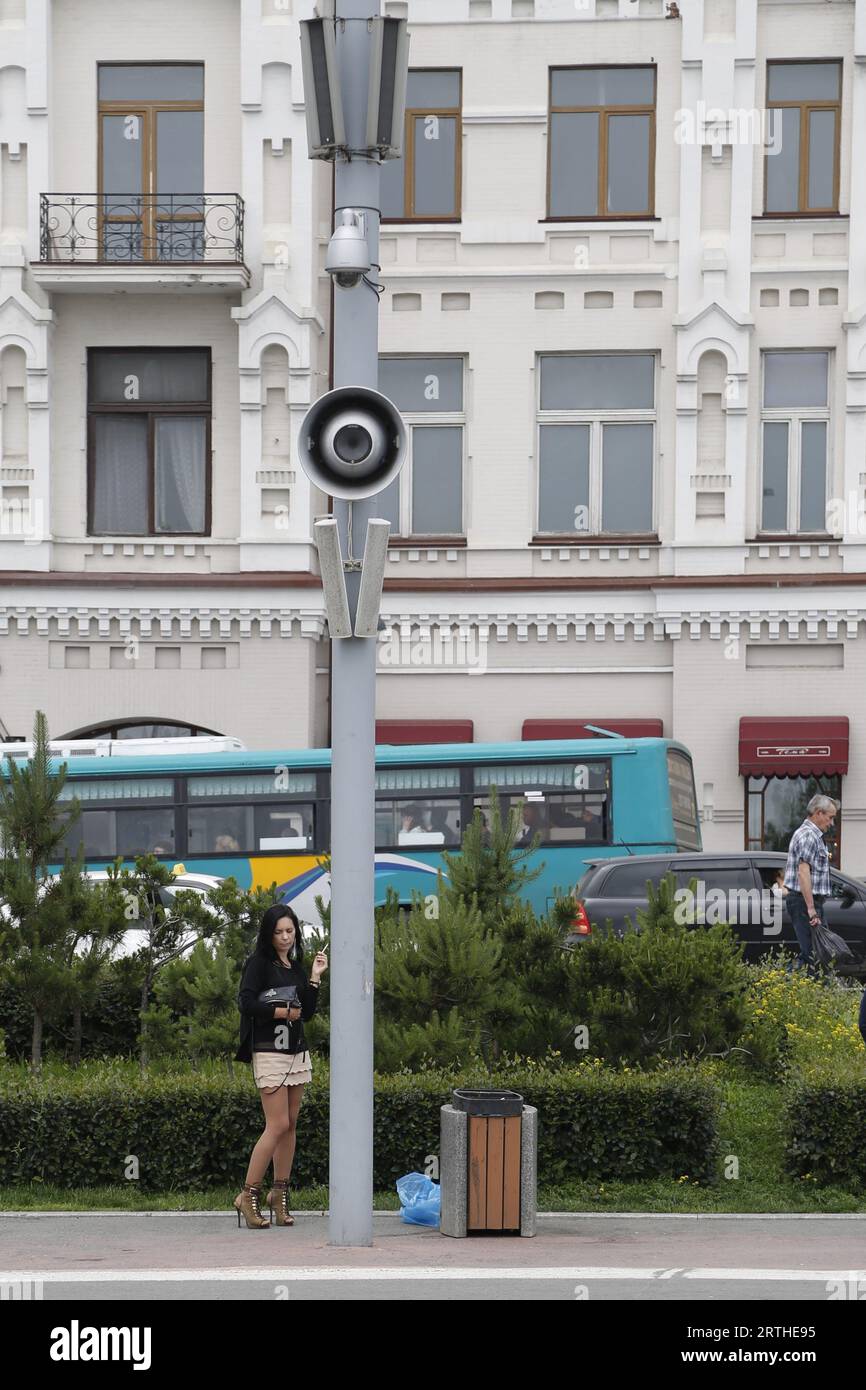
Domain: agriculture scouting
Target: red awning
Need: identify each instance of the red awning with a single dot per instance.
(425, 731)
(793, 747)
(576, 728)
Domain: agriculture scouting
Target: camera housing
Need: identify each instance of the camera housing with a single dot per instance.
(352, 442)
(348, 257)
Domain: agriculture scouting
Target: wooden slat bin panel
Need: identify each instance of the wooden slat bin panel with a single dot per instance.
(494, 1173)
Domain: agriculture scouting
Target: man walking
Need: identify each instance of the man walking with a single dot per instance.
(807, 873)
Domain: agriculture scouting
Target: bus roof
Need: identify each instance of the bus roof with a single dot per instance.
(386, 755)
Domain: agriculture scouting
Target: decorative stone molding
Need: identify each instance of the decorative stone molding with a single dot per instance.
(119, 621)
(775, 624)
(415, 553)
(596, 552)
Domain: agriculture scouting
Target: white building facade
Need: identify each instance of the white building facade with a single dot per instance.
(624, 314)
(163, 328)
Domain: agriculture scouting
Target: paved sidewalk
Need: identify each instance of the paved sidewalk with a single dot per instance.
(167, 1241)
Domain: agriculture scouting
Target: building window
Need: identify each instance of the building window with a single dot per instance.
(149, 416)
(801, 171)
(596, 444)
(602, 142)
(427, 497)
(425, 184)
(151, 161)
(795, 423)
(776, 806)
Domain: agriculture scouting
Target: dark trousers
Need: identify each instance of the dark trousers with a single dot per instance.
(800, 922)
(863, 1016)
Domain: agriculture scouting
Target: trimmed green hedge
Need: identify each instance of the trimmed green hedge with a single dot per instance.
(825, 1124)
(199, 1129)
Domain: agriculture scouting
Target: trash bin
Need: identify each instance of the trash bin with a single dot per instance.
(488, 1163)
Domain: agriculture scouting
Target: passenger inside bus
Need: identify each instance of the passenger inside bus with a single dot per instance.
(534, 821)
(591, 823)
(412, 818)
(439, 826)
(285, 830)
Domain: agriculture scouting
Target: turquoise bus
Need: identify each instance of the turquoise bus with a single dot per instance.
(264, 817)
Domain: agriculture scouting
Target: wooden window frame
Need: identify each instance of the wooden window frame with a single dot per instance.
(603, 112)
(447, 420)
(596, 418)
(413, 113)
(153, 410)
(795, 417)
(806, 108)
(147, 111)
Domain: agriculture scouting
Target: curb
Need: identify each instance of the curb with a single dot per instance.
(556, 1215)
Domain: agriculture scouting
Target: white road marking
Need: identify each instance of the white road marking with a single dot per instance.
(348, 1274)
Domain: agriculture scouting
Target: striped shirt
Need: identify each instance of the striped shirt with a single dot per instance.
(807, 847)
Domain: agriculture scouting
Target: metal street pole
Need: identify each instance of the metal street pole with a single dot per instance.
(355, 329)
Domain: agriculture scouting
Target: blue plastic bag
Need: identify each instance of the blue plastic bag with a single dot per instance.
(420, 1199)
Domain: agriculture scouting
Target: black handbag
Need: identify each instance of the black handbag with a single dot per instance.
(283, 995)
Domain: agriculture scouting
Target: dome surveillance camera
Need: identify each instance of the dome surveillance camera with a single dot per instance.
(347, 279)
(348, 258)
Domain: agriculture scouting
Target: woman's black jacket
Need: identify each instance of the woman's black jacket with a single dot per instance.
(258, 975)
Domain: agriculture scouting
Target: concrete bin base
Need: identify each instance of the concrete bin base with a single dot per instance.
(454, 1170)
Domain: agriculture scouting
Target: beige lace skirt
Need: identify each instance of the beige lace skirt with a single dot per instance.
(280, 1069)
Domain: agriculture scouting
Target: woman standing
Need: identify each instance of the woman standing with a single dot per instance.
(272, 1038)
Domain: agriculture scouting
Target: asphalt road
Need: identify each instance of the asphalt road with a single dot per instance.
(180, 1257)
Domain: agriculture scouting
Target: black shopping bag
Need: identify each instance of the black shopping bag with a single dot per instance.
(829, 947)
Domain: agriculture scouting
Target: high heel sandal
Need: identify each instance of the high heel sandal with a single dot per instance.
(247, 1205)
(281, 1190)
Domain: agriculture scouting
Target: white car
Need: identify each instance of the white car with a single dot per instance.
(182, 882)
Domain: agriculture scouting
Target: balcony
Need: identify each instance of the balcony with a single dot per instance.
(155, 241)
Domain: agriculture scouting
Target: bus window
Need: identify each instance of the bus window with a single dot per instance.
(547, 777)
(684, 802)
(219, 830)
(284, 827)
(579, 818)
(144, 830)
(94, 830)
(574, 819)
(421, 824)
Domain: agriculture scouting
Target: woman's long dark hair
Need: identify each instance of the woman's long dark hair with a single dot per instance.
(264, 942)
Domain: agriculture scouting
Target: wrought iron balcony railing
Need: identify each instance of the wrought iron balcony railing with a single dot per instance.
(141, 228)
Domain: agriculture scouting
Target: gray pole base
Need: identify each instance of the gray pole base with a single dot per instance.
(454, 1164)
